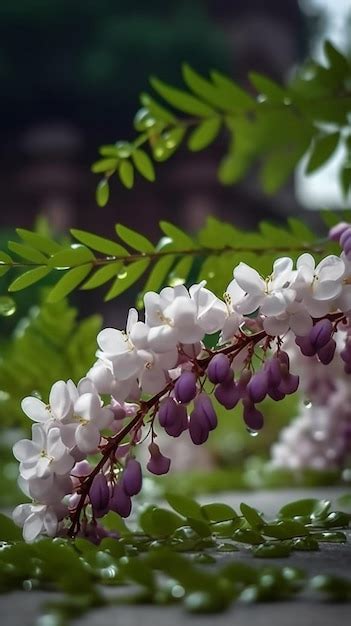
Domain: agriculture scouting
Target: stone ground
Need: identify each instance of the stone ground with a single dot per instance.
(23, 608)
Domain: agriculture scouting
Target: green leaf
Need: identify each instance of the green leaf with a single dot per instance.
(8, 530)
(69, 282)
(102, 192)
(143, 164)
(204, 134)
(251, 515)
(278, 166)
(267, 87)
(126, 173)
(178, 236)
(235, 97)
(233, 167)
(134, 239)
(76, 254)
(272, 550)
(106, 246)
(158, 111)
(181, 100)
(203, 88)
(323, 148)
(159, 272)
(285, 529)
(28, 253)
(104, 165)
(29, 278)
(5, 263)
(218, 512)
(345, 180)
(127, 277)
(305, 507)
(102, 275)
(181, 271)
(159, 522)
(39, 242)
(301, 231)
(337, 60)
(185, 506)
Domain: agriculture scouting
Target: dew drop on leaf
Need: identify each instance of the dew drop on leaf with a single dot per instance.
(122, 274)
(7, 306)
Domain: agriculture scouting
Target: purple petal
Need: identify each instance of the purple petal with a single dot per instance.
(218, 368)
(120, 502)
(132, 478)
(185, 387)
(326, 354)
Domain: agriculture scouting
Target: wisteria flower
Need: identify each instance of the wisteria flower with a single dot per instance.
(60, 407)
(320, 285)
(35, 519)
(44, 454)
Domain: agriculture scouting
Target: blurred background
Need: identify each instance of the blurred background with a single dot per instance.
(70, 77)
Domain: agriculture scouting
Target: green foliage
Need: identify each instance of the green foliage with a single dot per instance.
(176, 556)
(49, 345)
(92, 261)
(309, 115)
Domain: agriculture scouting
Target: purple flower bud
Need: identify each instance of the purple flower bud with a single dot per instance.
(345, 236)
(273, 371)
(336, 231)
(167, 413)
(275, 394)
(119, 411)
(132, 478)
(120, 502)
(289, 384)
(198, 429)
(326, 354)
(253, 418)
(257, 387)
(227, 395)
(185, 387)
(320, 333)
(99, 495)
(204, 408)
(218, 368)
(305, 345)
(81, 469)
(243, 382)
(158, 464)
(283, 358)
(181, 423)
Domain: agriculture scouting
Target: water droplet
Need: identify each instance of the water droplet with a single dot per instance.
(7, 306)
(252, 433)
(307, 404)
(178, 591)
(36, 394)
(122, 274)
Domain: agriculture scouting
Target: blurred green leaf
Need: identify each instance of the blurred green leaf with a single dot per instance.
(127, 277)
(204, 134)
(69, 282)
(102, 192)
(181, 100)
(126, 173)
(323, 148)
(29, 278)
(143, 164)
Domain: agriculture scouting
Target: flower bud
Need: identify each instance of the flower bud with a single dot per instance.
(99, 495)
(326, 354)
(204, 408)
(345, 236)
(289, 384)
(157, 464)
(273, 371)
(275, 394)
(81, 469)
(283, 358)
(321, 333)
(185, 387)
(305, 345)
(119, 412)
(218, 368)
(198, 429)
(167, 413)
(227, 395)
(257, 387)
(243, 382)
(336, 231)
(253, 418)
(132, 478)
(120, 502)
(181, 423)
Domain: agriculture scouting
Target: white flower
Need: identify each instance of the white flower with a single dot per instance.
(122, 349)
(172, 318)
(211, 312)
(271, 296)
(60, 407)
(90, 417)
(36, 519)
(44, 454)
(295, 318)
(319, 286)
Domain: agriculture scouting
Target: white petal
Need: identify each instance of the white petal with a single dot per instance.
(60, 400)
(68, 434)
(87, 437)
(104, 418)
(32, 527)
(331, 267)
(307, 260)
(43, 467)
(249, 304)
(63, 464)
(39, 435)
(326, 289)
(85, 385)
(162, 338)
(127, 365)
(20, 513)
(139, 334)
(25, 450)
(344, 301)
(88, 405)
(101, 377)
(35, 409)
(72, 390)
(275, 326)
(235, 292)
(55, 445)
(112, 341)
(50, 523)
(131, 320)
(249, 279)
(153, 380)
(273, 305)
(282, 265)
(300, 323)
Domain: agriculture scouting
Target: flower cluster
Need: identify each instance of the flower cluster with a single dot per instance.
(158, 374)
